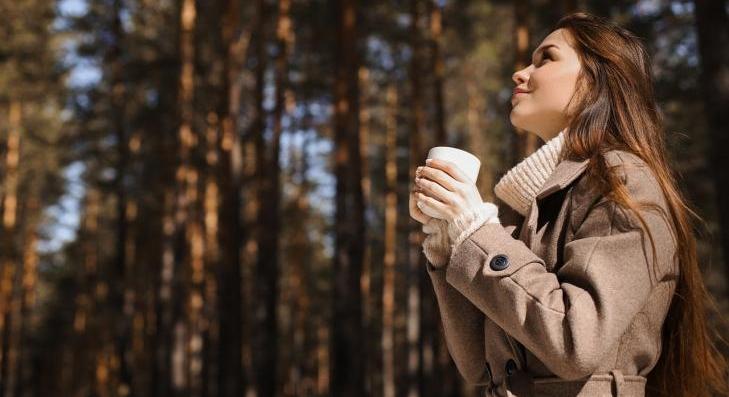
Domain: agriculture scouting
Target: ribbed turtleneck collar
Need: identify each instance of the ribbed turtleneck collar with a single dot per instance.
(521, 183)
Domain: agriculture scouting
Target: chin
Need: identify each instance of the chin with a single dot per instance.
(517, 121)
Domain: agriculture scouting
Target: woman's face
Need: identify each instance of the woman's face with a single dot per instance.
(544, 88)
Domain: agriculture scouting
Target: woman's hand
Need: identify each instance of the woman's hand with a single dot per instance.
(446, 191)
(415, 212)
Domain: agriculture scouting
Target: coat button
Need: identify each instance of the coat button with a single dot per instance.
(499, 262)
(510, 367)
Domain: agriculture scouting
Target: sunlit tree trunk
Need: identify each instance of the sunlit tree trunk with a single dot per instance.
(390, 253)
(366, 281)
(299, 375)
(254, 167)
(434, 360)
(284, 105)
(87, 341)
(28, 310)
(167, 271)
(415, 257)
(9, 261)
(437, 70)
(17, 310)
(186, 182)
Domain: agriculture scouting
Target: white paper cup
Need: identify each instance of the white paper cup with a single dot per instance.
(465, 161)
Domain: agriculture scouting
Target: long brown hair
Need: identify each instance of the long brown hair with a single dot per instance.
(615, 108)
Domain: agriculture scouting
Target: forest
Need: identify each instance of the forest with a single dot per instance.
(210, 197)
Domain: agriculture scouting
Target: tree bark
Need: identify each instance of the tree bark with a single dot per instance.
(389, 260)
(231, 378)
(347, 375)
(9, 261)
(267, 272)
(184, 216)
(415, 376)
(712, 26)
(437, 71)
(120, 288)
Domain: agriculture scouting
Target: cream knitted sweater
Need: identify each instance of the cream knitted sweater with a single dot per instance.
(517, 188)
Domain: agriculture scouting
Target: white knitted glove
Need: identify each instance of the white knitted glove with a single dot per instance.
(470, 220)
(436, 246)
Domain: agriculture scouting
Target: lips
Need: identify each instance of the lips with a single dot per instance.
(518, 92)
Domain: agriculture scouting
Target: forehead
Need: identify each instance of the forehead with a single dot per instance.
(559, 38)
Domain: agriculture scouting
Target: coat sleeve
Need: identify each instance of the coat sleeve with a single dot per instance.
(571, 318)
(463, 328)
(463, 322)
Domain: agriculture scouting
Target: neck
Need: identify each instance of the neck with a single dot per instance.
(549, 135)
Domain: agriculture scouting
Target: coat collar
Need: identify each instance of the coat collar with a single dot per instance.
(566, 171)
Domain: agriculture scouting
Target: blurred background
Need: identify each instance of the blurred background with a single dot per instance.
(209, 198)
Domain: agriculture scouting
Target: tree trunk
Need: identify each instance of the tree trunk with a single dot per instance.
(437, 71)
(184, 217)
(28, 310)
(267, 272)
(390, 254)
(9, 256)
(712, 26)
(120, 287)
(415, 258)
(231, 378)
(165, 185)
(16, 324)
(367, 266)
(437, 358)
(253, 212)
(347, 377)
(87, 335)
(300, 299)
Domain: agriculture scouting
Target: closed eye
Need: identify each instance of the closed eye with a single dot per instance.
(545, 57)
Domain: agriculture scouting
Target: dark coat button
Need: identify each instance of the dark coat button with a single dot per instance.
(510, 367)
(499, 262)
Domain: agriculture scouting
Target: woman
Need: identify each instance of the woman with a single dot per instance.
(564, 293)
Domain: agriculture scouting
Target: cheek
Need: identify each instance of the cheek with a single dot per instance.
(555, 90)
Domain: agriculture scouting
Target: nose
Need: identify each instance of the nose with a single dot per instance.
(521, 76)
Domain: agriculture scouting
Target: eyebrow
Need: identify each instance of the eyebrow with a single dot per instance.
(542, 49)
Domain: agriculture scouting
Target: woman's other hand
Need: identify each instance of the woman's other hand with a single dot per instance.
(415, 212)
(445, 190)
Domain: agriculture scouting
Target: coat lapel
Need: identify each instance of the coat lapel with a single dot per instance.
(564, 173)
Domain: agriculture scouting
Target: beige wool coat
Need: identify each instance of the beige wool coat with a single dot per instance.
(564, 301)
